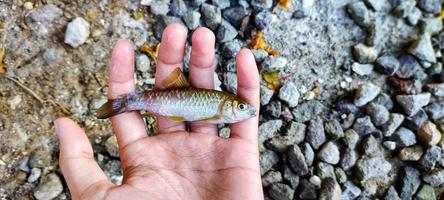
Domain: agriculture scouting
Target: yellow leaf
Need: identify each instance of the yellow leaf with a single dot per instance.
(272, 79)
(258, 42)
(441, 15)
(137, 15)
(150, 52)
(284, 3)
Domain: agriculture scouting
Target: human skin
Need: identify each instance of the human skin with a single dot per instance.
(175, 164)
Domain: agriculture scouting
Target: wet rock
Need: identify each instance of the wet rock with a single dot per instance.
(259, 5)
(371, 146)
(77, 32)
(271, 177)
(410, 182)
(392, 194)
(365, 93)
(415, 122)
(226, 32)
(430, 158)
(297, 161)
(408, 66)
(362, 69)
(272, 63)
(112, 147)
(291, 177)
(404, 137)
(412, 153)
(49, 187)
(334, 129)
(390, 145)
(234, 15)
(364, 126)
(230, 82)
(289, 94)
(324, 170)
(348, 159)
(378, 113)
(40, 158)
(307, 190)
(436, 89)
(329, 153)
(431, 26)
(435, 110)
(411, 104)
(46, 13)
(266, 95)
(192, 19)
(423, 49)
(268, 130)
(264, 18)
(430, 6)
(387, 65)
(274, 108)
(330, 190)
(308, 110)
(435, 178)
(315, 134)
(376, 167)
(308, 154)
(267, 159)
(350, 191)
(364, 54)
(359, 12)
(426, 193)
(35, 175)
(229, 49)
(178, 8)
(351, 138)
(429, 134)
(211, 16)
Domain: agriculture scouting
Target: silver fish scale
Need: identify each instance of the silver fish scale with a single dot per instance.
(192, 104)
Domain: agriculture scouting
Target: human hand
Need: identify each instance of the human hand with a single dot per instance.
(175, 164)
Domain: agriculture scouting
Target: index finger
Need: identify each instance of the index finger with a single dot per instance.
(248, 89)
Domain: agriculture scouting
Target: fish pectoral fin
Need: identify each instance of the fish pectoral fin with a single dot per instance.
(178, 118)
(176, 79)
(212, 120)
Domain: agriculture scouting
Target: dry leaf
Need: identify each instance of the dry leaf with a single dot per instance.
(258, 42)
(272, 79)
(284, 3)
(150, 52)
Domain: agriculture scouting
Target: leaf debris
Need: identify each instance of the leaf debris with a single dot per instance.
(258, 42)
(150, 51)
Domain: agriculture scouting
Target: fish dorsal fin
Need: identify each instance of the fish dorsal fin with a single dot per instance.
(176, 79)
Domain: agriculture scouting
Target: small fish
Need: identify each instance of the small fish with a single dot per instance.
(180, 102)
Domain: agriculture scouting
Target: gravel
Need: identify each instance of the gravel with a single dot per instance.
(387, 65)
(364, 126)
(431, 26)
(308, 110)
(192, 19)
(267, 159)
(35, 175)
(281, 191)
(230, 82)
(297, 161)
(426, 193)
(436, 89)
(376, 167)
(77, 32)
(410, 182)
(408, 66)
(435, 110)
(315, 134)
(289, 94)
(423, 49)
(268, 130)
(359, 12)
(348, 159)
(329, 153)
(211, 16)
(308, 154)
(416, 121)
(350, 191)
(333, 129)
(411, 104)
(378, 113)
(404, 137)
(351, 138)
(365, 54)
(291, 177)
(430, 6)
(226, 32)
(266, 95)
(307, 190)
(392, 194)
(46, 14)
(432, 155)
(429, 134)
(362, 69)
(272, 63)
(435, 178)
(271, 177)
(365, 93)
(49, 188)
(229, 49)
(330, 190)
(412, 153)
(234, 15)
(259, 5)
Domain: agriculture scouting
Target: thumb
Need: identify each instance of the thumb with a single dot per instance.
(82, 174)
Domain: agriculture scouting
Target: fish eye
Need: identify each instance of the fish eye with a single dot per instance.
(242, 106)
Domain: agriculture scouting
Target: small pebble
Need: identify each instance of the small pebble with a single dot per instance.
(364, 126)
(35, 175)
(211, 16)
(426, 193)
(329, 153)
(429, 134)
(411, 104)
(315, 134)
(430, 158)
(412, 153)
(404, 137)
(350, 191)
(77, 32)
(435, 110)
(423, 49)
(410, 182)
(390, 145)
(297, 161)
(365, 93)
(378, 113)
(315, 180)
(289, 94)
(49, 187)
(435, 178)
(362, 69)
(330, 190)
(192, 19)
(388, 65)
(359, 12)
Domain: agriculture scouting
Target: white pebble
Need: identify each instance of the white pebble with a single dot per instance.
(77, 32)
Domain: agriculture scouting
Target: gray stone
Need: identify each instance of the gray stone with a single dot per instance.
(259, 55)
(46, 14)
(390, 145)
(53, 55)
(324, 170)
(222, 4)
(334, 129)
(49, 187)
(112, 147)
(372, 147)
(272, 63)
(297, 130)
(160, 8)
(315, 180)
(410, 182)
(351, 138)
(307, 190)
(308, 110)
(330, 190)
(35, 175)
(315, 134)
(423, 49)
(264, 18)
(341, 176)
(364, 126)
(435, 178)
(274, 108)
(378, 113)
(431, 26)
(267, 159)
(291, 177)
(365, 93)
(379, 5)
(178, 8)
(259, 5)
(77, 32)
(226, 32)
(404, 137)
(234, 15)
(365, 54)
(113, 170)
(404, 8)
(392, 194)
(436, 89)
(376, 167)
(350, 191)
(297, 161)
(230, 81)
(329, 153)
(40, 158)
(143, 63)
(387, 65)
(229, 49)
(271, 177)
(346, 106)
(359, 12)
(414, 16)
(416, 121)
(411, 104)
(426, 193)
(269, 129)
(429, 134)
(430, 158)
(289, 94)
(430, 6)
(192, 19)
(435, 110)
(412, 153)
(281, 191)
(211, 16)
(308, 154)
(230, 65)
(266, 95)
(362, 69)
(408, 66)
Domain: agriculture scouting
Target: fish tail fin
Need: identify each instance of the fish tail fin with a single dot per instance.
(111, 108)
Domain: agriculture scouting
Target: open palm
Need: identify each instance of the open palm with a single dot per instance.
(175, 164)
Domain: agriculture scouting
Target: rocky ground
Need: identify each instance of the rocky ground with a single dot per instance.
(352, 92)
